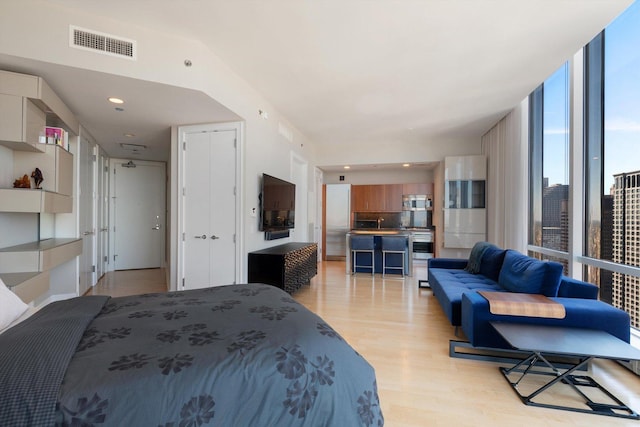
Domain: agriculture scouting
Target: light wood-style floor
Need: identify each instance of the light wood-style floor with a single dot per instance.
(404, 334)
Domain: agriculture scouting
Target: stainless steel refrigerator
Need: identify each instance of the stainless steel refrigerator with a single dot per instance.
(338, 219)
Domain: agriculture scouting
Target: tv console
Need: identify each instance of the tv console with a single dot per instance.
(287, 266)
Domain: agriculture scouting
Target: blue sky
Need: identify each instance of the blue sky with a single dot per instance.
(622, 94)
(622, 105)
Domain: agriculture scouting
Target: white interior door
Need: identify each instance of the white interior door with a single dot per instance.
(102, 205)
(139, 198)
(209, 209)
(87, 161)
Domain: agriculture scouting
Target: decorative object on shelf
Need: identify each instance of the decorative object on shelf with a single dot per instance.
(23, 182)
(37, 177)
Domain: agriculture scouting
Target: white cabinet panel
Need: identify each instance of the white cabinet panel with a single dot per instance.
(465, 167)
(464, 227)
(21, 123)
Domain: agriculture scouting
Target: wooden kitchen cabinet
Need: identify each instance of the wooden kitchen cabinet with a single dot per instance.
(393, 197)
(418, 188)
(368, 198)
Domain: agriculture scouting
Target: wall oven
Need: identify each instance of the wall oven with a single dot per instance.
(422, 244)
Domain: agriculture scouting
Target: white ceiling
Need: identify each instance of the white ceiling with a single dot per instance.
(344, 71)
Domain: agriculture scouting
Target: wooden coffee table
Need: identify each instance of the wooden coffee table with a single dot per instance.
(582, 345)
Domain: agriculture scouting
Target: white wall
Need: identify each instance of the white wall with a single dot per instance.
(396, 152)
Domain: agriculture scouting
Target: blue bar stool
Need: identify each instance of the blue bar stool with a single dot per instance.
(362, 244)
(393, 245)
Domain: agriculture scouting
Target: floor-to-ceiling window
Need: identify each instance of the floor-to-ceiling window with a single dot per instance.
(612, 162)
(549, 167)
(598, 93)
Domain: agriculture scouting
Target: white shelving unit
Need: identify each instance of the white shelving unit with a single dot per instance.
(27, 105)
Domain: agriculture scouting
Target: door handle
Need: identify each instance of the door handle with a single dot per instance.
(87, 233)
(157, 227)
(204, 236)
(214, 237)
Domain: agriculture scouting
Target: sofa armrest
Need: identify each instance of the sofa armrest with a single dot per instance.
(573, 288)
(453, 263)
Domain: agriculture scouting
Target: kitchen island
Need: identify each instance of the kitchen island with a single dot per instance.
(377, 239)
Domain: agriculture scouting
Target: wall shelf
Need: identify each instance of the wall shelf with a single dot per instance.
(27, 106)
(39, 256)
(28, 200)
(27, 285)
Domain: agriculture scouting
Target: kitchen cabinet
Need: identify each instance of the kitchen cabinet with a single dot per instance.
(417, 188)
(368, 198)
(383, 197)
(393, 197)
(464, 207)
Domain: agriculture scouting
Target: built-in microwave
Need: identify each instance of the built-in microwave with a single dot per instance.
(416, 202)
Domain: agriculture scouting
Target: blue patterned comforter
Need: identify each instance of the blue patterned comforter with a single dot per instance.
(238, 355)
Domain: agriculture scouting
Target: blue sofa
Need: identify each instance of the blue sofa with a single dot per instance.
(455, 283)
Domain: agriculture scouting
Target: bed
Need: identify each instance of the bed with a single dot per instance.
(237, 355)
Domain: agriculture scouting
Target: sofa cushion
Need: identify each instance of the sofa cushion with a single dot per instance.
(520, 273)
(491, 263)
(448, 285)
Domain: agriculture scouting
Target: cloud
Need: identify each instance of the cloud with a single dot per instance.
(556, 131)
(622, 125)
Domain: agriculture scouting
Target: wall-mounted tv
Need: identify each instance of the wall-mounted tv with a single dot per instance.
(278, 204)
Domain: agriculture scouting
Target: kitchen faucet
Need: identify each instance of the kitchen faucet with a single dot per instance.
(379, 221)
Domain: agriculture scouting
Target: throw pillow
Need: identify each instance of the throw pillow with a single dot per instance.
(492, 260)
(11, 306)
(551, 281)
(521, 273)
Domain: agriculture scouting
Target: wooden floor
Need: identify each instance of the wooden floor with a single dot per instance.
(404, 334)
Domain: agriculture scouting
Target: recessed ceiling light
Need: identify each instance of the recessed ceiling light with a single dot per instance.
(347, 167)
(116, 100)
(406, 165)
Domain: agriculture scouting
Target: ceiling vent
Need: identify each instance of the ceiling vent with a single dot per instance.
(107, 44)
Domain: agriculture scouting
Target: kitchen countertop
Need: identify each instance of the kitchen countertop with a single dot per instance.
(389, 231)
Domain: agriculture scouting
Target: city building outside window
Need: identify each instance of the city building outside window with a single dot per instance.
(612, 160)
(549, 165)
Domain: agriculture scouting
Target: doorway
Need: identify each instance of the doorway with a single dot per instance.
(209, 223)
(138, 197)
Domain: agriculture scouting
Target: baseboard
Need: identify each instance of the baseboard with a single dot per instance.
(632, 365)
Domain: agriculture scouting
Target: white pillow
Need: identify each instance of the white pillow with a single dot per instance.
(11, 306)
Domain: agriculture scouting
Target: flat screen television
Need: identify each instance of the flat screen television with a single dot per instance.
(278, 200)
